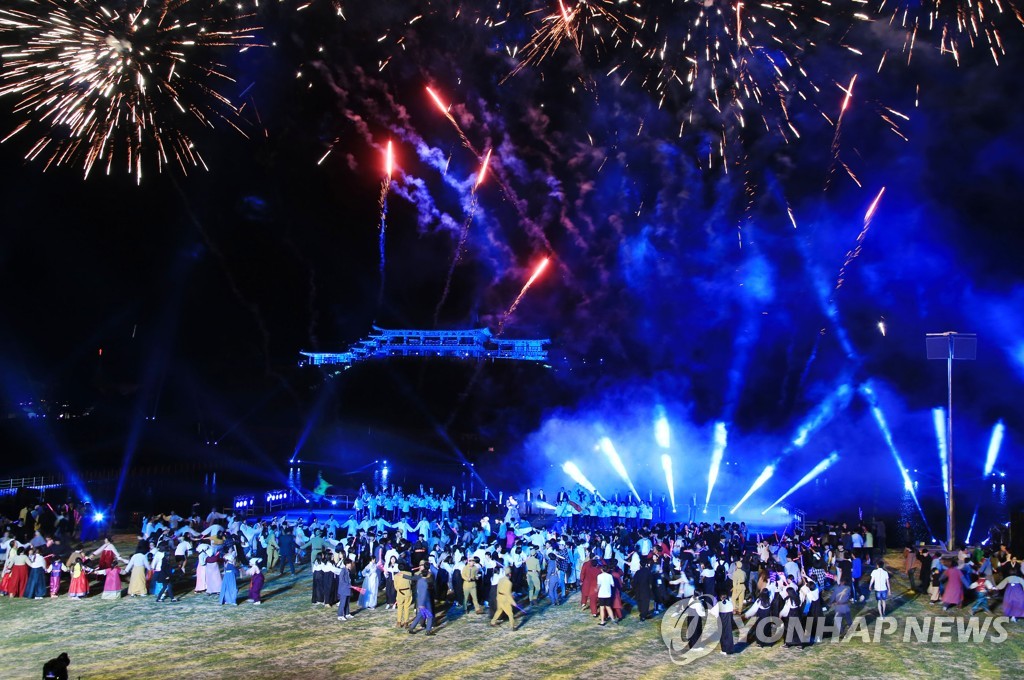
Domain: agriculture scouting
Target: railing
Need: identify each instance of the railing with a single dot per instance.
(28, 483)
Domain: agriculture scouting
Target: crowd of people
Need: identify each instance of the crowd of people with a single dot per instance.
(577, 506)
(416, 556)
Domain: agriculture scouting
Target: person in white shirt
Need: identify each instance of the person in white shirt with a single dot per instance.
(857, 541)
(181, 552)
(605, 586)
(880, 584)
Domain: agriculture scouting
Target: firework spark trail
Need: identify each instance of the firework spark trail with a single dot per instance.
(851, 255)
(501, 329)
(536, 274)
(463, 237)
(446, 110)
(954, 25)
(848, 96)
(535, 231)
(105, 83)
(385, 186)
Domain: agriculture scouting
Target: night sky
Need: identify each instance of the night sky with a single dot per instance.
(679, 278)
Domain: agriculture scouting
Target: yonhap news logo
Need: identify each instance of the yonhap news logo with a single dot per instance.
(929, 630)
(692, 629)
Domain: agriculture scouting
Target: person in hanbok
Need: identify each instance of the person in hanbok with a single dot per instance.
(321, 568)
(259, 544)
(136, 569)
(1013, 596)
(256, 579)
(791, 613)
(810, 595)
(761, 610)
(35, 589)
(111, 582)
(18, 573)
(371, 581)
(229, 583)
(982, 587)
(390, 593)
(213, 578)
(163, 571)
(79, 587)
(54, 569)
(725, 610)
(11, 553)
(202, 552)
(107, 553)
(934, 579)
(511, 510)
(953, 595)
(617, 608)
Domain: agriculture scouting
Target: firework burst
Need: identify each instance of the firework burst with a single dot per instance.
(954, 25)
(730, 65)
(120, 82)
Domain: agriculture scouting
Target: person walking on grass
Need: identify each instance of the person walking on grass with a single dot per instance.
(880, 585)
(605, 586)
(423, 584)
(505, 600)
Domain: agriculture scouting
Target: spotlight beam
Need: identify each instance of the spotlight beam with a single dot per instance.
(994, 444)
(721, 441)
(662, 432)
(666, 465)
(765, 475)
(939, 418)
(971, 529)
(815, 471)
(570, 468)
(613, 457)
(869, 395)
(822, 414)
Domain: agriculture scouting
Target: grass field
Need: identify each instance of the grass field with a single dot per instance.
(287, 637)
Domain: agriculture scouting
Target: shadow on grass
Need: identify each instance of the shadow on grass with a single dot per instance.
(269, 594)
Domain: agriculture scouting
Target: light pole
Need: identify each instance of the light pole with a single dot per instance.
(950, 346)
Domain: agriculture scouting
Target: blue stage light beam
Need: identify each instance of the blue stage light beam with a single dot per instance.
(765, 475)
(666, 465)
(608, 449)
(322, 397)
(662, 432)
(939, 419)
(717, 453)
(822, 414)
(869, 395)
(994, 444)
(971, 529)
(815, 471)
(570, 468)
